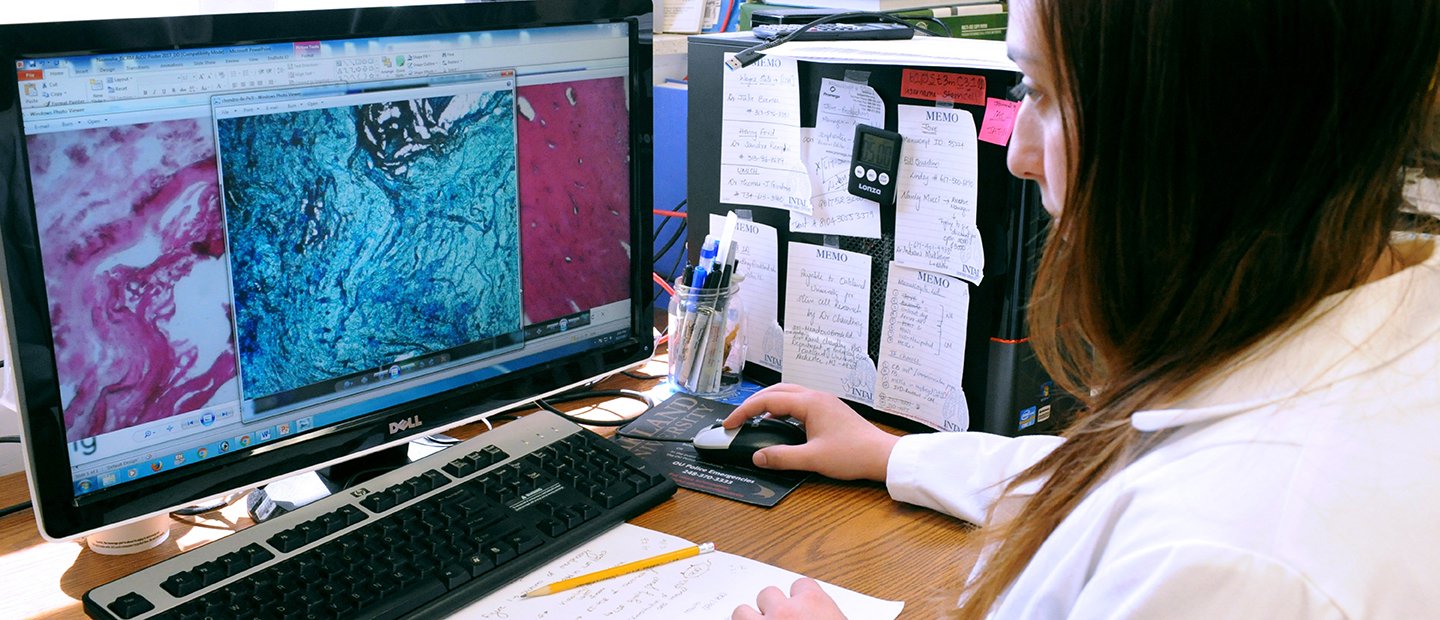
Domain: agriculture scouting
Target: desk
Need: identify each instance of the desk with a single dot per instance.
(849, 534)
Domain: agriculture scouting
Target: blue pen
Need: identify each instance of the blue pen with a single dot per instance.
(707, 260)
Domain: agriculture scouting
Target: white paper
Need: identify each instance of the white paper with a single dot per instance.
(759, 255)
(827, 321)
(682, 16)
(835, 211)
(760, 158)
(705, 586)
(938, 192)
(922, 348)
(924, 51)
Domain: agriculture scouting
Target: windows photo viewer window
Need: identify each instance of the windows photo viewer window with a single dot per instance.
(237, 247)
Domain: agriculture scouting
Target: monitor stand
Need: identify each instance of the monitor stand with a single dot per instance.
(135, 537)
(282, 496)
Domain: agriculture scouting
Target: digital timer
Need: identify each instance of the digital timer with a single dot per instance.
(875, 164)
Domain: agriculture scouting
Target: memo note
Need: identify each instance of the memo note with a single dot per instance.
(759, 255)
(922, 348)
(760, 154)
(827, 321)
(705, 586)
(937, 193)
(835, 211)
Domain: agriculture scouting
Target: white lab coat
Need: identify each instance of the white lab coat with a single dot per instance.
(1302, 483)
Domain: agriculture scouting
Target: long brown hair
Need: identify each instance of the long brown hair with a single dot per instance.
(1231, 163)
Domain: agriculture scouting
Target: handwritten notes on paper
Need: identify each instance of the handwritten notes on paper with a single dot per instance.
(705, 586)
(760, 158)
(999, 121)
(759, 255)
(827, 321)
(936, 85)
(922, 348)
(937, 193)
(835, 211)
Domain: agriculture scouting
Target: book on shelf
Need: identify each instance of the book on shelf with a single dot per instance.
(985, 20)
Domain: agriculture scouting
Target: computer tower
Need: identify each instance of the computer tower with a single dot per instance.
(1008, 392)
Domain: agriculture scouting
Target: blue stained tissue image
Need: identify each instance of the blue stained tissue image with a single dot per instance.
(365, 234)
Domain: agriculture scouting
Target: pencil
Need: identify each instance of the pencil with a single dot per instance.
(664, 558)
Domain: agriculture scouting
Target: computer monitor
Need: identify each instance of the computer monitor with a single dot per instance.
(238, 247)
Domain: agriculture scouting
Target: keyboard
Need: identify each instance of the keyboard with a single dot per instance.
(423, 540)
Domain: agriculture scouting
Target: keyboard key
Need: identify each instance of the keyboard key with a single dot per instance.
(130, 605)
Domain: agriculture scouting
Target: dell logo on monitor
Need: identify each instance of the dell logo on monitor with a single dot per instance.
(406, 424)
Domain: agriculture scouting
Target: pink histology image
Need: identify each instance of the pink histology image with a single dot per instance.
(133, 243)
(574, 196)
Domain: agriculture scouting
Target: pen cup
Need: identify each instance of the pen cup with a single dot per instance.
(707, 339)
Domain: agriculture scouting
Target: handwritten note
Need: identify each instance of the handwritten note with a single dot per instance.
(705, 586)
(922, 348)
(999, 120)
(835, 211)
(937, 193)
(936, 85)
(682, 16)
(827, 321)
(760, 152)
(759, 255)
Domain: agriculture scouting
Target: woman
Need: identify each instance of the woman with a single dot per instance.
(1259, 359)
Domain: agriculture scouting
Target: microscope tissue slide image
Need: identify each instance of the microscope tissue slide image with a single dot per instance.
(133, 248)
(365, 234)
(574, 196)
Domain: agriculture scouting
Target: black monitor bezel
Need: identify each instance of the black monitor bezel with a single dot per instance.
(59, 513)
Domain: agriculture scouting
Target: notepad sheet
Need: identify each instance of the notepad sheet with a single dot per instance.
(705, 586)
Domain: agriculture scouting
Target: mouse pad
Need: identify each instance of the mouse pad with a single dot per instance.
(662, 437)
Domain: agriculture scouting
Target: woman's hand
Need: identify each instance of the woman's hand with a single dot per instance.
(839, 443)
(806, 602)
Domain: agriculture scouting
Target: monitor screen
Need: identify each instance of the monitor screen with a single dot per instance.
(241, 246)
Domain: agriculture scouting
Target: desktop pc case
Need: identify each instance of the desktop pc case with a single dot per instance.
(1009, 393)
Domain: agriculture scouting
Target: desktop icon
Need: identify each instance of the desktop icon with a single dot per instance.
(284, 428)
(225, 446)
(180, 458)
(244, 440)
(84, 486)
(132, 472)
(107, 479)
(302, 424)
(263, 435)
(201, 452)
(156, 466)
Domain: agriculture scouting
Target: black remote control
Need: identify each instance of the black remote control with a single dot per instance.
(835, 31)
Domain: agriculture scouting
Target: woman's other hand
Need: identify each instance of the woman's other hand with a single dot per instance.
(806, 602)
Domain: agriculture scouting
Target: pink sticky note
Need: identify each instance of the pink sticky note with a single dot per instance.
(999, 120)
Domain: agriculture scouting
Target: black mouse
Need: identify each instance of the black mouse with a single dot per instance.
(736, 446)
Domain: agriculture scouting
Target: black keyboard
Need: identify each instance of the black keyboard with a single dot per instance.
(421, 541)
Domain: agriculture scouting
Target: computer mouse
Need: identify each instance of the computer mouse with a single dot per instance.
(718, 444)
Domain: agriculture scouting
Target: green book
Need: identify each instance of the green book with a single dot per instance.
(970, 21)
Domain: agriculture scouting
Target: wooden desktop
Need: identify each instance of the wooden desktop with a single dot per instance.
(846, 533)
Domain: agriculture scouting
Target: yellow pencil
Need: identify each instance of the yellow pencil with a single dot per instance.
(574, 582)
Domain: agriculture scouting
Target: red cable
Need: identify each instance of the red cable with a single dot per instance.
(670, 213)
(728, 14)
(663, 284)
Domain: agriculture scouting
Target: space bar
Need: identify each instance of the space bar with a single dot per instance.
(406, 599)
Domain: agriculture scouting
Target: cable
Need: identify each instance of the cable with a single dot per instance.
(750, 55)
(728, 14)
(640, 377)
(643, 438)
(9, 510)
(573, 396)
(9, 439)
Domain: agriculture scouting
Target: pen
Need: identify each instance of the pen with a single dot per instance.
(623, 569)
